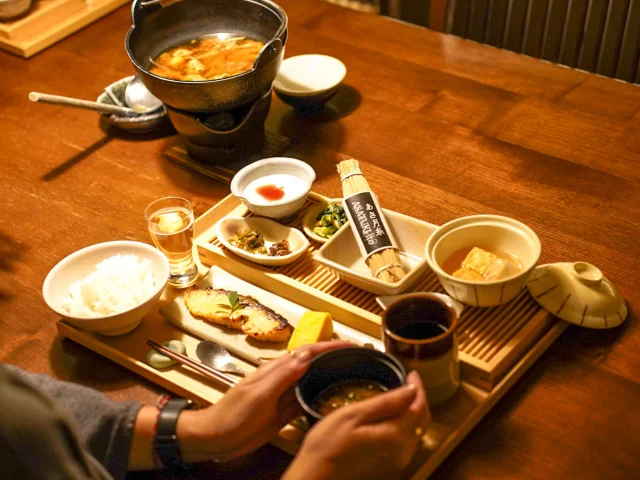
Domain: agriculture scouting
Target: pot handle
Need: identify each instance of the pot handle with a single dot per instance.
(269, 52)
(141, 8)
(223, 118)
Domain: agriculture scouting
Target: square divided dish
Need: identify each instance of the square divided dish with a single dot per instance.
(341, 255)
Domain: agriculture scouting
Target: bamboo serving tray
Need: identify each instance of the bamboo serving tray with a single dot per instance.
(496, 345)
(49, 21)
(491, 340)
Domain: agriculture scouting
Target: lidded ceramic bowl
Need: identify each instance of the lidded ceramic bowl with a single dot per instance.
(502, 233)
(578, 293)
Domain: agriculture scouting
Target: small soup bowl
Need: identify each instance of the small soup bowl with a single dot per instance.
(502, 233)
(344, 364)
(269, 166)
(309, 81)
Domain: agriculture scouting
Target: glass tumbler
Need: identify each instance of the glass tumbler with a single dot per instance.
(170, 223)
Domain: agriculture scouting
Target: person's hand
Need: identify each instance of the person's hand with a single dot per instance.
(251, 413)
(372, 439)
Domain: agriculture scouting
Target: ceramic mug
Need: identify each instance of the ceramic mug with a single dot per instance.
(420, 330)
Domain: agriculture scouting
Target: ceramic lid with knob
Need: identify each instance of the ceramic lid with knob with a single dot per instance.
(578, 293)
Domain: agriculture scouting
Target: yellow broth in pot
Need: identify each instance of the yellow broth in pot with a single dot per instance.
(211, 57)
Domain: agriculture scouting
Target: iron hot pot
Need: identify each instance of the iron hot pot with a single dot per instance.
(155, 28)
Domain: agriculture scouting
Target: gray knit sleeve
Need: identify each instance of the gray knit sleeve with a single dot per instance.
(104, 427)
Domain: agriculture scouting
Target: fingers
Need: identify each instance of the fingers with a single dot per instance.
(278, 375)
(419, 408)
(382, 407)
(288, 407)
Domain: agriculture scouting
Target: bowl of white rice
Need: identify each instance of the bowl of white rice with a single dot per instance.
(108, 287)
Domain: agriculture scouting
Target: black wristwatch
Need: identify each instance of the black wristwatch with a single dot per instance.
(165, 442)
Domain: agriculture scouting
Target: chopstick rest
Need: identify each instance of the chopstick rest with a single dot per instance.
(195, 365)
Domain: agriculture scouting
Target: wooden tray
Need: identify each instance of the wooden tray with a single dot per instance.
(498, 345)
(49, 21)
(491, 340)
(450, 423)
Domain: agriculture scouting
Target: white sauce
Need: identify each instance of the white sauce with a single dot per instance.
(293, 188)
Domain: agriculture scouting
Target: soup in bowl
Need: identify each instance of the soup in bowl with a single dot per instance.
(347, 375)
(483, 260)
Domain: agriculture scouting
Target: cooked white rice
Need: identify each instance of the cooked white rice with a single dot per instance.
(119, 283)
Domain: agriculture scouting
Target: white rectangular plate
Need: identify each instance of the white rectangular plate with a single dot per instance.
(236, 341)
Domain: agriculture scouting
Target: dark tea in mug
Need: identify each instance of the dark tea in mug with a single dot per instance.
(419, 329)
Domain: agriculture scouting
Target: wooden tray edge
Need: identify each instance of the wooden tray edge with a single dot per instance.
(508, 380)
(72, 24)
(289, 438)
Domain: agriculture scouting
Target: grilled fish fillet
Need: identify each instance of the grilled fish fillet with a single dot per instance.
(253, 318)
(266, 325)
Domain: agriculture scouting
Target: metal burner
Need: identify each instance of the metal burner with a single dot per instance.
(223, 136)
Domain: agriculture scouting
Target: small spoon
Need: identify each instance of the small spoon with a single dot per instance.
(86, 104)
(216, 356)
(140, 98)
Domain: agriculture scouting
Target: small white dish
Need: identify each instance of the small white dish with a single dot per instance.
(384, 302)
(310, 218)
(577, 293)
(342, 256)
(272, 232)
(302, 174)
(236, 341)
(309, 80)
(502, 233)
(83, 262)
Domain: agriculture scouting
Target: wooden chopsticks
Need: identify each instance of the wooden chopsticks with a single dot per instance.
(195, 365)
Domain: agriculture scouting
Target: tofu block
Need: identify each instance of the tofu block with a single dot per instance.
(479, 260)
(500, 269)
(313, 327)
(466, 274)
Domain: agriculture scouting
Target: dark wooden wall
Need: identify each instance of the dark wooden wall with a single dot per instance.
(601, 36)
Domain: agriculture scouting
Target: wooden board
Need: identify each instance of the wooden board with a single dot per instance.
(49, 21)
(491, 340)
(451, 422)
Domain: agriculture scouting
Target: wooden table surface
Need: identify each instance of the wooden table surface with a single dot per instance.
(444, 128)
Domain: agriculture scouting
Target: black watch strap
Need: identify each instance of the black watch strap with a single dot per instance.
(166, 442)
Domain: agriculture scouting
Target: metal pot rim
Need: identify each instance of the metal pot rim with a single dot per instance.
(275, 8)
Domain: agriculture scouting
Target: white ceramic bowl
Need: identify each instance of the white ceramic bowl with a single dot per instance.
(269, 166)
(342, 256)
(271, 231)
(83, 262)
(309, 80)
(502, 233)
